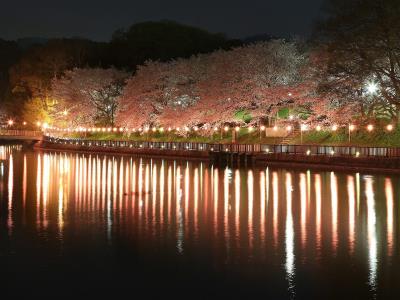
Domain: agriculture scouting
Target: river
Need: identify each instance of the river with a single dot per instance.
(94, 225)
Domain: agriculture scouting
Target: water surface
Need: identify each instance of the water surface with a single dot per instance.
(89, 225)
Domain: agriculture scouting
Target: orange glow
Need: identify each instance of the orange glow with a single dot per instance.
(389, 214)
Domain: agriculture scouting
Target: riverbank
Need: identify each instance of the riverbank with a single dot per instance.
(236, 155)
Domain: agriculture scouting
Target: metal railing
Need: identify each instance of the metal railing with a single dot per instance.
(20, 133)
(237, 148)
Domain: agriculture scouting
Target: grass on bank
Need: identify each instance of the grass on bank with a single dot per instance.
(379, 137)
(243, 137)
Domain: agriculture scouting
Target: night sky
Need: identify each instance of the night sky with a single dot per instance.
(98, 19)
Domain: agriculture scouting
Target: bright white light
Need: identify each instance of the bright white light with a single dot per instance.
(372, 88)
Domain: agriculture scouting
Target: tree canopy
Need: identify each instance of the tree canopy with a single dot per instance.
(361, 40)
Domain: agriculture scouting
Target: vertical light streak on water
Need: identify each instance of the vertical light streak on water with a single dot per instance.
(92, 185)
(179, 212)
(250, 199)
(154, 195)
(140, 190)
(60, 214)
(169, 217)
(205, 214)
(267, 185)
(128, 168)
(98, 182)
(226, 207)
(147, 190)
(289, 238)
(80, 182)
(262, 207)
(303, 208)
(215, 199)
(389, 215)
(372, 239)
(318, 204)
(38, 189)
(10, 185)
(237, 205)
(352, 212)
(84, 183)
(275, 197)
(88, 166)
(46, 185)
(162, 193)
(196, 201)
(103, 184)
(334, 207)
(24, 186)
(358, 192)
(187, 183)
(120, 181)
(133, 181)
(109, 208)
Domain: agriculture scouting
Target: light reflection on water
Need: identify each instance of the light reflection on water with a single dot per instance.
(292, 220)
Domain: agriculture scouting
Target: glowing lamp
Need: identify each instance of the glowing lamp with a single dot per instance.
(250, 128)
(237, 128)
(226, 128)
(262, 128)
(289, 128)
(303, 127)
(215, 128)
(334, 127)
(318, 128)
(24, 123)
(275, 128)
(351, 127)
(154, 129)
(389, 127)
(10, 122)
(370, 127)
(372, 88)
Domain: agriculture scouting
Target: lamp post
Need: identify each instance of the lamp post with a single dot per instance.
(351, 128)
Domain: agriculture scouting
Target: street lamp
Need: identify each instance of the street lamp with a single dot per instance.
(372, 88)
(351, 128)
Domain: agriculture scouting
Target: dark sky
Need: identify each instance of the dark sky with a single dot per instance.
(98, 19)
